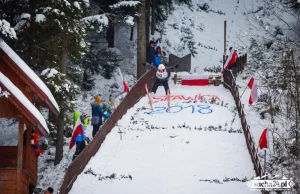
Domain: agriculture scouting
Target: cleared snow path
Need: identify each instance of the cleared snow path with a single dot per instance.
(180, 152)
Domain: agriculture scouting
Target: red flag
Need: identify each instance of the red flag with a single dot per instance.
(263, 140)
(231, 59)
(76, 131)
(123, 85)
(126, 88)
(253, 95)
(251, 81)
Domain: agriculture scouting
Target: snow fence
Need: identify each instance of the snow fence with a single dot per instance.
(230, 83)
(77, 166)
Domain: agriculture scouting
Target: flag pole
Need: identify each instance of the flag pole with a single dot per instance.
(120, 73)
(265, 161)
(244, 91)
(224, 55)
(265, 166)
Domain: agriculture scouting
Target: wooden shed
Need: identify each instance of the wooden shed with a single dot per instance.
(13, 67)
(18, 164)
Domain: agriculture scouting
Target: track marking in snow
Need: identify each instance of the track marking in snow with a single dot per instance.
(181, 151)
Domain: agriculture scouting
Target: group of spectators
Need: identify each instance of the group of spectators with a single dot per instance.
(154, 62)
(100, 113)
(153, 55)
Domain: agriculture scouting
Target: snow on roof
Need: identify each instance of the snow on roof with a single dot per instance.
(24, 100)
(29, 72)
(124, 4)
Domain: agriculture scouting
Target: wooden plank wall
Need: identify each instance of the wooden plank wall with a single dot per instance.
(7, 109)
(8, 156)
(8, 179)
(32, 170)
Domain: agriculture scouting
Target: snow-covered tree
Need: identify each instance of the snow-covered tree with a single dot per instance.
(275, 58)
(63, 90)
(6, 31)
(51, 34)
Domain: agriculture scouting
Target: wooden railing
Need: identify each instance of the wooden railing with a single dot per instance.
(230, 83)
(77, 166)
(241, 62)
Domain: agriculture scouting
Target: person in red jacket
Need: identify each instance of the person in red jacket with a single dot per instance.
(34, 143)
(231, 62)
(34, 140)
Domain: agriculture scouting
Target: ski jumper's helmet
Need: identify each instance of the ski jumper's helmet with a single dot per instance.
(161, 67)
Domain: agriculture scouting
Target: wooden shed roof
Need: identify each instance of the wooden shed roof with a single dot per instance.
(28, 76)
(21, 102)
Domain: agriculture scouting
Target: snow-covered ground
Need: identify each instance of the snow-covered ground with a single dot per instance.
(206, 30)
(188, 24)
(197, 147)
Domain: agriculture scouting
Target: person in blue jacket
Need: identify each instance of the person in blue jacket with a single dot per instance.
(157, 59)
(108, 113)
(80, 140)
(97, 115)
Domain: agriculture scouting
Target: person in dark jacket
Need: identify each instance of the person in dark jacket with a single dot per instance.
(150, 51)
(97, 115)
(49, 190)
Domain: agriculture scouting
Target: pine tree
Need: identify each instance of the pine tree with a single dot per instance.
(52, 35)
(63, 90)
(141, 33)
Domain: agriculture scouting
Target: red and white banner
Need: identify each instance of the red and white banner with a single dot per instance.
(195, 80)
(253, 96)
(123, 85)
(263, 140)
(193, 77)
(76, 131)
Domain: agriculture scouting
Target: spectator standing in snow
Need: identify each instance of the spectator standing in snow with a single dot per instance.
(80, 140)
(34, 140)
(76, 115)
(157, 58)
(49, 191)
(97, 115)
(35, 143)
(150, 54)
(112, 102)
(108, 112)
(158, 48)
(37, 190)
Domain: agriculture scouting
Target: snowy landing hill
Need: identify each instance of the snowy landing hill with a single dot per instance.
(197, 147)
(200, 28)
